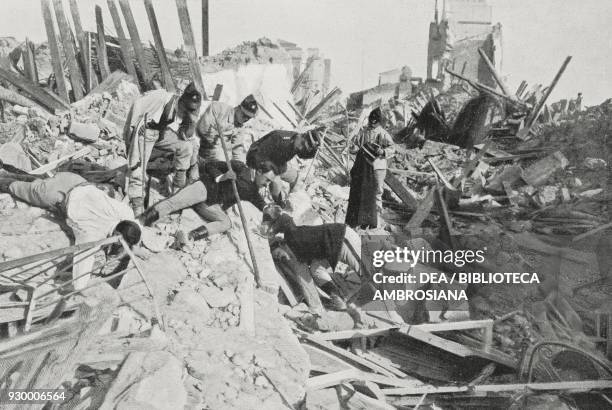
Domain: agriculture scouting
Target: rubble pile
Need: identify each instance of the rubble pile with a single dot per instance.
(225, 322)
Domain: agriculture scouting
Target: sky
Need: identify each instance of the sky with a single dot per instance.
(365, 37)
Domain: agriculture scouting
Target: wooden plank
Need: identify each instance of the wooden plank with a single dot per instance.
(15, 263)
(592, 232)
(301, 274)
(136, 43)
(101, 45)
(29, 62)
(217, 93)
(354, 334)
(159, 46)
(205, 49)
(324, 362)
(65, 33)
(325, 102)
(32, 91)
(352, 358)
(479, 389)
(457, 348)
(494, 73)
(423, 210)
(538, 108)
(298, 81)
(284, 115)
(14, 97)
(124, 42)
(447, 232)
(396, 186)
(441, 175)
(83, 43)
(189, 41)
(55, 163)
(343, 376)
(56, 61)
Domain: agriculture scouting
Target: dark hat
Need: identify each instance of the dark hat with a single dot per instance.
(249, 106)
(191, 98)
(375, 116)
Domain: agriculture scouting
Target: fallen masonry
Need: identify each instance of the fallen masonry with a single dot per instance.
(473, 273)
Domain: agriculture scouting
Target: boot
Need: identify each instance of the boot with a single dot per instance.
(199, 233)
(149, 217)
(5, 183)
(336, 301)
(137, 206)
(180, 180)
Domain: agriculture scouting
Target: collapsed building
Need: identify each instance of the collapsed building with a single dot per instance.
(174, 328)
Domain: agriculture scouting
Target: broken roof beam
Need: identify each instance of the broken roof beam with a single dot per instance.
(65, 33)
(32, 91)
(325, 102)
(83, 43)
(56, 61)
(29, 62)
(484, 88)
(126, 48)
(189, 40)
(159, 45)
(102, 54)
(494, 73)
(137, 45)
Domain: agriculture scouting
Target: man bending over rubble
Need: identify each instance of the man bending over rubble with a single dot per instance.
(212, 195)
(90, 212)
(164, 110)
(279, 147)
(321, 247)
(227, 118)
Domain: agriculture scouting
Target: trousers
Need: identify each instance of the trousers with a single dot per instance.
(46, 193)
(193, 196)
(350, 254)
(380, 175)
(185, 156)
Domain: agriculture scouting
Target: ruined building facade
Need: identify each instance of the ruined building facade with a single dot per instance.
(454, 39)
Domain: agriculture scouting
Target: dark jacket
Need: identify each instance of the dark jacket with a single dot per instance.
(222, 192)
(277, 148)
(309, 243)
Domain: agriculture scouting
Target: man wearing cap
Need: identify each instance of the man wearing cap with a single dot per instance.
(374, 147)
(91, 214)
(278, 147)
(227, 118)
(163, 110)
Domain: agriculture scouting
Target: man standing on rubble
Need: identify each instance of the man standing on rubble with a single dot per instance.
(90, 212)
(321, 247)
(278, 147)
(228, 119)
(212, 195)
(374, 147)
(163, 110)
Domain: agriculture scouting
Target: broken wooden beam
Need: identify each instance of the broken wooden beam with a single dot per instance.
(189, 41)
(56, 61)
(479, 389)
(13, 97)
(38, 94)
(298, 81)
(82, 40)
(205, 33)
(484, 88)
(167, 79)
(325, 101)
(126, 48)
(535, 113)
(101, 45)
(423, 210)
(404, 195)
(65, 33)
(29, 62)
(494, 73)
(136, 43)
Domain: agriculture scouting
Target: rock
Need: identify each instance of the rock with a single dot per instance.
(594, 163)
(195, 302)
(547, 194)
(6, 202)
(217, 298)
(148, 380)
